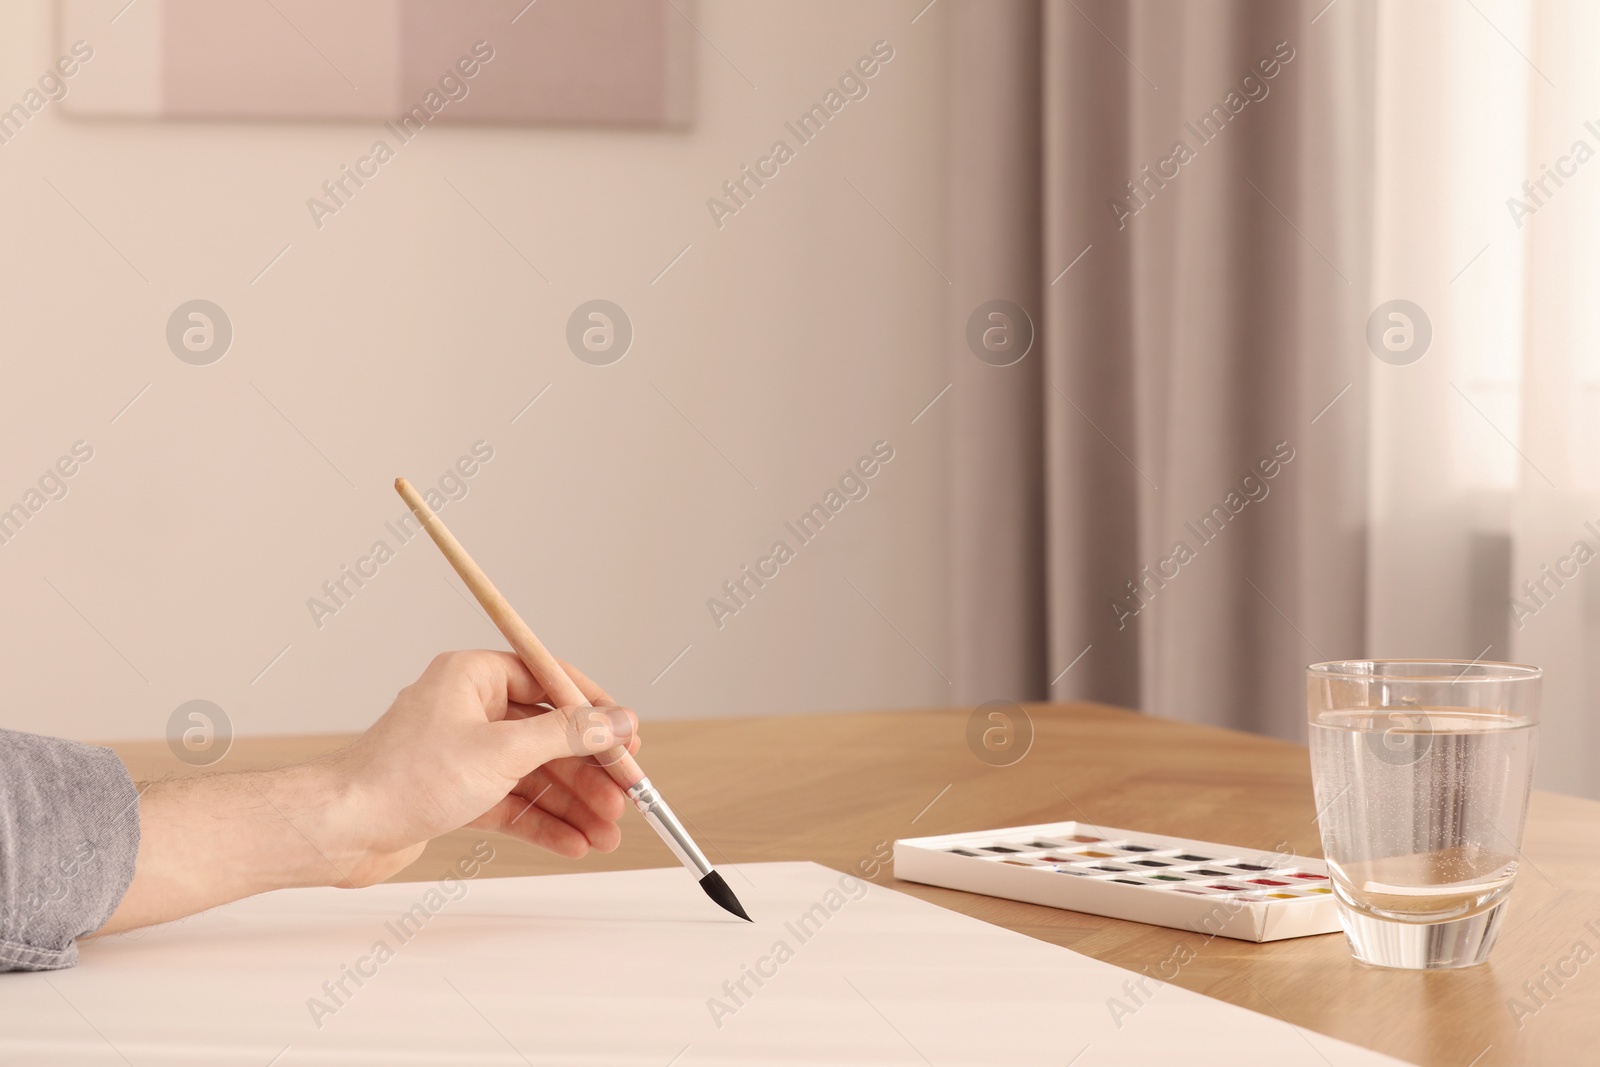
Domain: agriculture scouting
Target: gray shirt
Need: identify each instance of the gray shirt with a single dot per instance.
(69, 835)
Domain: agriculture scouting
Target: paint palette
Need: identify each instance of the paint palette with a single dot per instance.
(1124, 874)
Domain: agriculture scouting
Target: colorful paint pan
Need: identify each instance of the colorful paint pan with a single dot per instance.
(1174, 882)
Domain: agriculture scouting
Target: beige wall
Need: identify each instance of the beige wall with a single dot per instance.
(406, 329)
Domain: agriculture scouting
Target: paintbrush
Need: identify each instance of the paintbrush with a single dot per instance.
(561, 692)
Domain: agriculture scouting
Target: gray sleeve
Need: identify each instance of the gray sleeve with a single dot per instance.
(69, 835)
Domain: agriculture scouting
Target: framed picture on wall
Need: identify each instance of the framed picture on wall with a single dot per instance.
(599, 62)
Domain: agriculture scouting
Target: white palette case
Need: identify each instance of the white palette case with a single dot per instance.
(1202, 886)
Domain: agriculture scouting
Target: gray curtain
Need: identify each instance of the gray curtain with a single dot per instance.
(1213, 309)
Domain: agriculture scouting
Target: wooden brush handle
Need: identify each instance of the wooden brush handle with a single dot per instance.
(560, 689)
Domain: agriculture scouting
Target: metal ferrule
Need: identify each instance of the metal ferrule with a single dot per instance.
(666, 824)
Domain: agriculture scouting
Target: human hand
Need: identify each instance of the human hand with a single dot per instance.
(466, 744)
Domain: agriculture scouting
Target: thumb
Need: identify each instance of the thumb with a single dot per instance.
(576, 730)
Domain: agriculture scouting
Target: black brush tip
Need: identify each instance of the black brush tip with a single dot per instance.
(718, 891)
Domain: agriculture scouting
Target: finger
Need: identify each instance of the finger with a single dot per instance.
(588, 809)
(600, 729)
(516, 817)
(601, 761)
(569, 731)
(556, 798)
(500, 677)
(590, 784)
(524, 711)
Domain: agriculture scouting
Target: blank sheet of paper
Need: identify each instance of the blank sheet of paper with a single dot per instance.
(627, 968)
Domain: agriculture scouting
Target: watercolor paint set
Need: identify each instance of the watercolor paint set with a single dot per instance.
(1125, 874)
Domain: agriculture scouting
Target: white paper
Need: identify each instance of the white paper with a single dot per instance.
(617, 968)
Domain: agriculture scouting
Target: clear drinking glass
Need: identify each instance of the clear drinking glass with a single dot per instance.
(1422, 770)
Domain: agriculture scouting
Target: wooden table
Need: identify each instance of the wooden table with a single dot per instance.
(831, 788)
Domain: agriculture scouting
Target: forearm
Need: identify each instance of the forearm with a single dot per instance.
(208, 840)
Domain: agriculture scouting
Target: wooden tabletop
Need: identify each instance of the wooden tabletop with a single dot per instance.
(832, 788)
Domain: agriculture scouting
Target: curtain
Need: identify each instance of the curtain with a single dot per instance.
(1316, 370)
(1484, 495)
(1163, 504)
(996, 459)
(1555, 528)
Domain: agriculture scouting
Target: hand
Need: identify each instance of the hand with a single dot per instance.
(467, 744)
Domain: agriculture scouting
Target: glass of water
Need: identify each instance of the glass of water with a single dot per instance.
(1422, 770)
